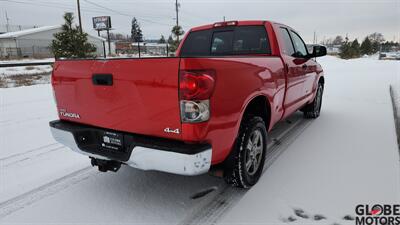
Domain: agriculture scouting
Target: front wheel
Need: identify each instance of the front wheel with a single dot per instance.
(248, 155)
(313, 109)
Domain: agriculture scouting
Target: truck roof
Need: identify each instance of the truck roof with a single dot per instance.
(239, 23)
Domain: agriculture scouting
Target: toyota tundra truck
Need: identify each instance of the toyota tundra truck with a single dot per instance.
(211, 106)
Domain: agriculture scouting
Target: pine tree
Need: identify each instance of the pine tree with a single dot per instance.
(355, 49)
(136, 32)
(170, 40)
(162, 40)
(176, 32)
(172, 44)
(366, 47)
(70, 42)
(344, 49)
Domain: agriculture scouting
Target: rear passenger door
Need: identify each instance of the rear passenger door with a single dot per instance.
(294, 73)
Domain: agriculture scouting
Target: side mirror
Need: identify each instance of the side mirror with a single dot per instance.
(318, 51)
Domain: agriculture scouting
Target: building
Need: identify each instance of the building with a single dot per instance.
(36, 42)
(333, 49)
(154, 49)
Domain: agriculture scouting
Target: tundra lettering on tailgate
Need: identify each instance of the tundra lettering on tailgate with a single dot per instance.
(64, 113)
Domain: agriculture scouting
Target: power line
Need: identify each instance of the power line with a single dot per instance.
(105, 9)
(125, 14)
(58, 6)
(102, 10)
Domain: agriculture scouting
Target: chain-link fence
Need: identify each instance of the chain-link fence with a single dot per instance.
(25, 47)
(25, 52)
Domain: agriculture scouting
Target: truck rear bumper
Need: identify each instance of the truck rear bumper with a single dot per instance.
(145, 153)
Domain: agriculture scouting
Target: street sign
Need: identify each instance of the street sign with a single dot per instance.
(102, 23)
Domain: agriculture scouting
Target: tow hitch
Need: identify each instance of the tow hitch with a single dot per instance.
(106, 165)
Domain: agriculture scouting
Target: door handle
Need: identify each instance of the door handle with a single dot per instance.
(102, 79)
(304, 66)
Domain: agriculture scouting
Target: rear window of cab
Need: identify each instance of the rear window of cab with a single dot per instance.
(227, 41)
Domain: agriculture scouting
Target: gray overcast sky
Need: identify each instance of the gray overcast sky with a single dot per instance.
(328, 18)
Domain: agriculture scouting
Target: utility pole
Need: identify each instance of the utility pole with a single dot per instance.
(177, 12)
(79, 16)
(177, 17)
(315, 38)
(8, 23)
(224, 18)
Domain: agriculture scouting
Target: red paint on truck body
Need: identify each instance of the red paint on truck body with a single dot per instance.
(144, 98)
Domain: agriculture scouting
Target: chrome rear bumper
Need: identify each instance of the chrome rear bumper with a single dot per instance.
(145, 158)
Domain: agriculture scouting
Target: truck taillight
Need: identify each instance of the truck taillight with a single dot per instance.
(195, 90)
(196, 85)
(195, 111)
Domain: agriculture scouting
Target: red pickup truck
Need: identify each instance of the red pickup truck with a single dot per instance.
(210, 107)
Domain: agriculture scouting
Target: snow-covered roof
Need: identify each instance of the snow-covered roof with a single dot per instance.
(17, 34)
(28, 31)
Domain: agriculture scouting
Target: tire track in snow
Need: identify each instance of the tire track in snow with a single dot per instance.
(30, 154)
(26, 120)
(227, 197)
(46, 190)
(30, 150)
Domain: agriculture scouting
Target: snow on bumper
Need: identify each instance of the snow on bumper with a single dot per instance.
(149, 158)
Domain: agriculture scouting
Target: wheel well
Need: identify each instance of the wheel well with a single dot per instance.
(259, 106)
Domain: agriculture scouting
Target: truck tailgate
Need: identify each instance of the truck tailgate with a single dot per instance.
(132, 95)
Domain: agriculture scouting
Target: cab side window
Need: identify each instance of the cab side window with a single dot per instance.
(287, 49)
(299, 46)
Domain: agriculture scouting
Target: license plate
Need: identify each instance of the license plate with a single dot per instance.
(112, 141)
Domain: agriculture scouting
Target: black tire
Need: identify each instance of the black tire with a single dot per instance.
(245, 153)
(313, 109)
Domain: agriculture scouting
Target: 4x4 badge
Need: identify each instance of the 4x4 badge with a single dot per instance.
(169, 130)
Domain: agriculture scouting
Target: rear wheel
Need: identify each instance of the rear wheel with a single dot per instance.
(248, 156)
(313, 109)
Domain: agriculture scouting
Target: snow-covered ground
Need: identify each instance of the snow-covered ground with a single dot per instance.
(346, 157)
(29, 156)
(27, 61)
(25, 70)
(24, 75)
